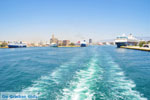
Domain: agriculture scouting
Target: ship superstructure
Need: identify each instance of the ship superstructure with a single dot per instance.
(126, 40)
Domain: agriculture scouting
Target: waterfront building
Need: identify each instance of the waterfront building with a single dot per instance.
(3, 44)
(53, 40)
(66, 42)
(47, 43)
(112, 43)
(107, 43)
(0, 43)
(90, 41)
(78, 43)
(30, 44)
(60, 42)
(100, 43)
(40, 43)
(33, 44)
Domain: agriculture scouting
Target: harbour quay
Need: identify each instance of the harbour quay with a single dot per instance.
(136, 48)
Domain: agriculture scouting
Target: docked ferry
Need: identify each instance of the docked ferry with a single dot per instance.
(83, 44)
(17, 45)
(53, 45)
(126, 40)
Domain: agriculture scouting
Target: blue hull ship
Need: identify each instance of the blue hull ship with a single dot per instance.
(17, 45)
(83, 45)
(119, 44)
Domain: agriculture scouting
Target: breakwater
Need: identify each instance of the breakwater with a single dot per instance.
(136, 48)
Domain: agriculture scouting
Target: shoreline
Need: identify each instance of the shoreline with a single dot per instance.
(67, 46)
(3, 47)
(136, 48)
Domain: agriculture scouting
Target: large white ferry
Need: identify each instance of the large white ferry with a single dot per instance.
(126, 40)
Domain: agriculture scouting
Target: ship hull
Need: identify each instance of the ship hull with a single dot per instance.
(16, 46)
(83, 45)
(126, 41)
(119, 44)
(53, 45)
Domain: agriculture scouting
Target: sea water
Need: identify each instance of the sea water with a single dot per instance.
(88, 73)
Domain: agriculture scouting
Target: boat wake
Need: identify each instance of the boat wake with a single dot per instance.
(98, 81)
(49, 85)
(96, 77)
(118, 85)
(82, 87)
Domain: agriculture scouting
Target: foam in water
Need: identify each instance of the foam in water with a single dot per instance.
(116, 86)
(80, 87)
(51, 80)
(123, 88)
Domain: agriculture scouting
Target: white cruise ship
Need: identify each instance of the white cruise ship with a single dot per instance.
(126, 40)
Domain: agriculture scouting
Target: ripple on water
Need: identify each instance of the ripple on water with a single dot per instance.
(122, 87)
(49, 85)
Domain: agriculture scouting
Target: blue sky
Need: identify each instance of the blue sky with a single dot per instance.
(37, 20)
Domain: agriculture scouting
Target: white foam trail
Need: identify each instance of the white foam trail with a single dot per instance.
(81, 86)
(43, 82)
(121, 82)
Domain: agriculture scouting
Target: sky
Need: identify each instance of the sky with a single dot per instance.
(37, 20)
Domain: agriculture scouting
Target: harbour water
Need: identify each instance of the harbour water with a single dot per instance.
(91, 73)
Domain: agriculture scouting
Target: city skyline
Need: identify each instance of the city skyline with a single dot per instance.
(37, 20)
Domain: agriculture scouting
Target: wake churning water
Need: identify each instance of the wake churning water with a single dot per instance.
(90, 73)
(121, 88)
(49, 85)
(96, 82)
(83, 83)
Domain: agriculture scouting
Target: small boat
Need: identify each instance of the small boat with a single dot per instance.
(53, 45)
